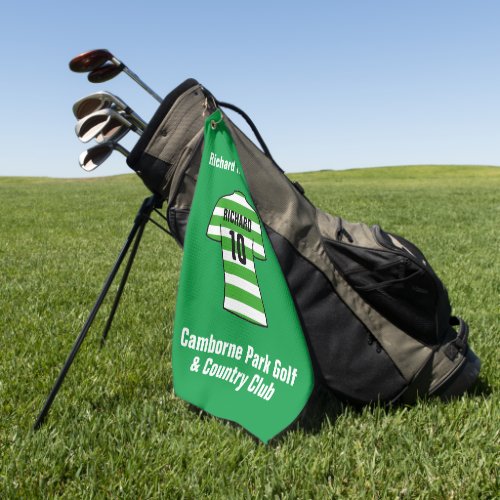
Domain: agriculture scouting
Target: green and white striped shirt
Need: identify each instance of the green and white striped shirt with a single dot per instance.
(236, 226)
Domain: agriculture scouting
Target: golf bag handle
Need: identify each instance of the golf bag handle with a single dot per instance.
(252, 125)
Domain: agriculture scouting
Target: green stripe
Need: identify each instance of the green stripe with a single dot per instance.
(241, 315)
(241, 272)
(240, 209)
(233, 292)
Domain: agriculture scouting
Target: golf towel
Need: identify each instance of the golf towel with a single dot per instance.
(238, 348)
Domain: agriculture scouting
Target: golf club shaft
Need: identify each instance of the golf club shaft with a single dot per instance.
(134, 77)
(136, 129)
(138, 121)
(121, 149)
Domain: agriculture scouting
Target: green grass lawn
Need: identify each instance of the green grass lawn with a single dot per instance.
(117, 430)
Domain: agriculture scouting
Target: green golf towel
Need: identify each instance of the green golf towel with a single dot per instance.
(238, 348)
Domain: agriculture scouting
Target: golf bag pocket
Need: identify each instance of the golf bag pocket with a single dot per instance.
(394, 278)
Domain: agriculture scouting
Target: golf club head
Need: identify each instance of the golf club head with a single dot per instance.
(104, 99)
(104, 73)
(89, 61)
(96, 101)
(92, 125)
(93, 157)
(112, 132)
(104, 66)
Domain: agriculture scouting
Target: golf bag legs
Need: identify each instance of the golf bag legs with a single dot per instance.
(122, 284)
(134, 237)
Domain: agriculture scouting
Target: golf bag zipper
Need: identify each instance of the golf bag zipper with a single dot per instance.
(341, 231)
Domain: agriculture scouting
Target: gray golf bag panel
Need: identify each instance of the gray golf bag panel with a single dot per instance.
(349, 281)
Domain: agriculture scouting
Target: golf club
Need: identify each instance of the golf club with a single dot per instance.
(95, 156)
(102, 66)
(107, 119)
(88, 61)
(112, 132)
(104, 73)
(103, 99)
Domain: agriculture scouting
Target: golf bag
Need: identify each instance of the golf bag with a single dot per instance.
(376, 317)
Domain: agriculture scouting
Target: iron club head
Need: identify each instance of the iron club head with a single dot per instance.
(112, 132)
(103, 99)
(97, 155)
(92, 125)
(96, 101)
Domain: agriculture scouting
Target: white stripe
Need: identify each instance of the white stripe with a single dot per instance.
(232, 279)
(237, 198)
(259, 250)
(220, 212)
(249, 312)
(215, 230)
(226, 255)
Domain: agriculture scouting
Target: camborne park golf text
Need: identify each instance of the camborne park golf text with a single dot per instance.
(257, 384)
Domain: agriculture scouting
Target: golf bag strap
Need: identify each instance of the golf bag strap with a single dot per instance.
(251, 124)
(460, 343)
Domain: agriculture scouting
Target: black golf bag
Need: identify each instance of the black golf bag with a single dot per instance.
(376, 317)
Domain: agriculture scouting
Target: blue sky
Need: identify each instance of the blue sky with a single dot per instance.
(338, 84)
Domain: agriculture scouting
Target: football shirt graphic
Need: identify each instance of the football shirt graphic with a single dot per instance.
(235, 224)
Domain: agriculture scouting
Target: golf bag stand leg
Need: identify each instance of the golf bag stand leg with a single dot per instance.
(122, 283)
(135, 235)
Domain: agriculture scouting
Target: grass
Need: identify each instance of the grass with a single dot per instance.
(117, 430)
